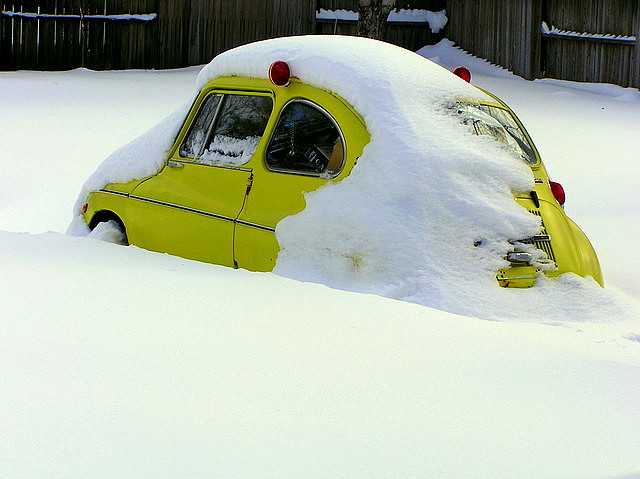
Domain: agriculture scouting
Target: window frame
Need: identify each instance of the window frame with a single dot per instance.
(322, 174)
(212, 127)
(504, 107)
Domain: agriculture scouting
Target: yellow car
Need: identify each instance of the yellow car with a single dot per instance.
(249, 150)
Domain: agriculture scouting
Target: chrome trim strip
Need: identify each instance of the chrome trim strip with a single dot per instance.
(182, 208)
(535, 239)
(541, 238)
(200, 163)
(253, 225)
(204, 213)
(119, 193)
(507, 278)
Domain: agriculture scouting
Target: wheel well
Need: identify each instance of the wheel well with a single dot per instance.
(103, 216)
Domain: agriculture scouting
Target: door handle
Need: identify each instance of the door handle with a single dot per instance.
(174, 164)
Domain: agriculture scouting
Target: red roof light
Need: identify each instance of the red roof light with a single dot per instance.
(463, 73)
(279, 73)
(558, 192)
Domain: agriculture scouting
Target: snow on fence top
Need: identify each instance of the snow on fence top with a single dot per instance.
(553, 31)
(436, 20)
(144, 17)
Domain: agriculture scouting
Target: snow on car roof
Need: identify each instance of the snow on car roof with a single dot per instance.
(360, 70)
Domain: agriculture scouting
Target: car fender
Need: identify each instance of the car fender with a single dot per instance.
(588, 257)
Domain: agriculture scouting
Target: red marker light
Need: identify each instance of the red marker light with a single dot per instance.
(558, 192)
(463, 73)
(279, 73)
(84, 207)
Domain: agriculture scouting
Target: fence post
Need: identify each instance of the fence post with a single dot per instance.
(534, 59)
(3, 49)
(636, 56)
(313, 24)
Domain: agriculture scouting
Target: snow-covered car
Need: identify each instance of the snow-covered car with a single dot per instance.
(457, 176)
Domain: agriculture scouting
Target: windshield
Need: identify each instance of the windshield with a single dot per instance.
(500, 124)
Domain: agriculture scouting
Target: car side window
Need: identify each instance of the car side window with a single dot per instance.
(227, 129)
(306, 140)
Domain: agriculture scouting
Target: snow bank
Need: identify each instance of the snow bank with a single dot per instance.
(108, 376)
(448, 55)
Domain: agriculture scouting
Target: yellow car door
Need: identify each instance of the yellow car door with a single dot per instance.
(190, 206)
(306, 149)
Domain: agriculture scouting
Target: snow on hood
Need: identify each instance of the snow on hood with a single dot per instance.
(404, 223)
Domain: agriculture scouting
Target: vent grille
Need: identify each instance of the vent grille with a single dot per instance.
(546, 244)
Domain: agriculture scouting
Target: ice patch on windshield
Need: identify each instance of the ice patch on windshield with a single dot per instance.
(228, 150)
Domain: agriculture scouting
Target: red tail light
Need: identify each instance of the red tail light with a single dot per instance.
(279, 73)
(463, 73)
(558, 192)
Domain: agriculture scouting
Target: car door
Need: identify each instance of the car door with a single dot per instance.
(190, 206)
(306, 149)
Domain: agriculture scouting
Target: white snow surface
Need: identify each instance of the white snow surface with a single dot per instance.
(122, 363)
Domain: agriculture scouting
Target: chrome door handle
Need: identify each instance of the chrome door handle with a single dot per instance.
(175, 164)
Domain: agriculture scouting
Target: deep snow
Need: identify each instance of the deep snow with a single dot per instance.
(118, 362)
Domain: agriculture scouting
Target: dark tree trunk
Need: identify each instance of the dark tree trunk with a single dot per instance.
(372, 17)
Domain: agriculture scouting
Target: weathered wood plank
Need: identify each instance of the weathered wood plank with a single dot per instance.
(636, 57)
(5, 40)
(508, 33)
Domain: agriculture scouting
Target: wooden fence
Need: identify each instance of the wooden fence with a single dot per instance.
(504, 32)
(608, 55)
(406, 34)
(352, 5)
(118, 34)
(585, 40)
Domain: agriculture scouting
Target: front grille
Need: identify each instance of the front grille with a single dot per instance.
(543, 240)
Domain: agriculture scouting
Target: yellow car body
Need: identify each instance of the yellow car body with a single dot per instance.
(223, 210)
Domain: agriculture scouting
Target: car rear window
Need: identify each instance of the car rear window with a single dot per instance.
(306, 140)
(499, 124)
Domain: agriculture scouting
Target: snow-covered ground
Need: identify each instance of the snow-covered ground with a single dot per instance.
(118, 362)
